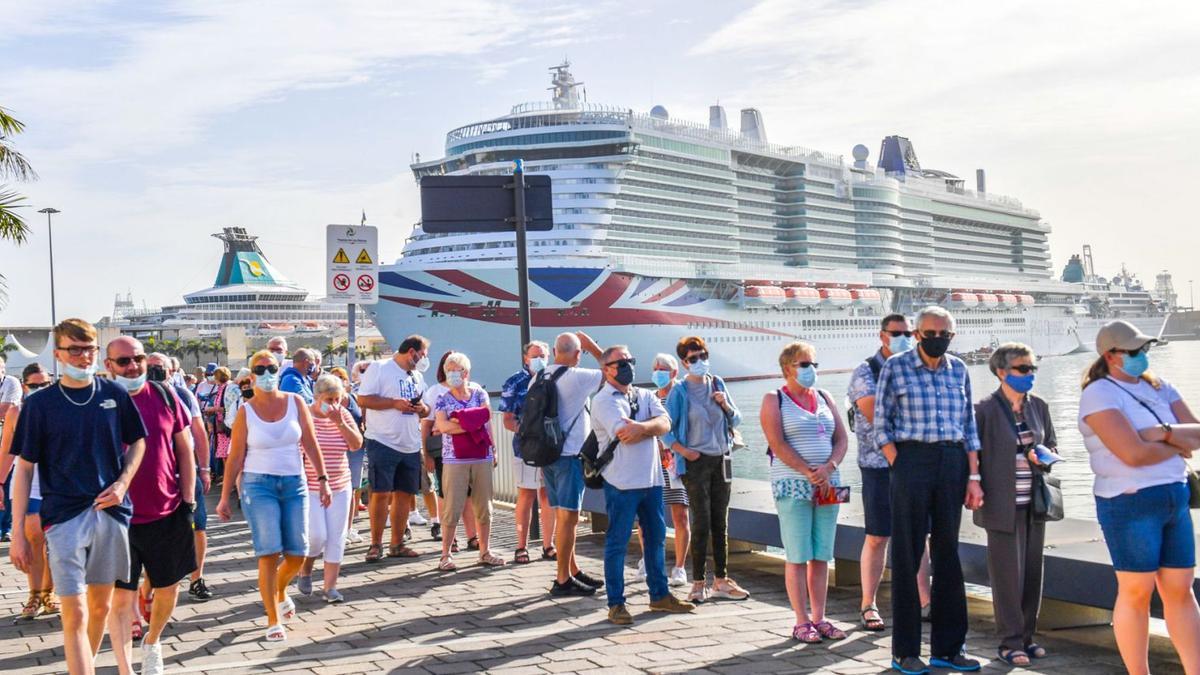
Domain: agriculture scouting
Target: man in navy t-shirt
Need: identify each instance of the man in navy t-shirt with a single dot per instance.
(87, 439)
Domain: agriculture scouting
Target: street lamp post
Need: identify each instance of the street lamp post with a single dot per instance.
(1191, 296)
(50, 211)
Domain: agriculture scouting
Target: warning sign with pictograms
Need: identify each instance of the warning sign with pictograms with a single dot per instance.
(352, 280)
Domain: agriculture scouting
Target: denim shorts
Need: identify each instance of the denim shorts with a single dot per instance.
(35, 506)
(276, 508)
(200, 515)
(389, 470)
(564, 483)
(1148, 529)
(807, 530)
(877, 501)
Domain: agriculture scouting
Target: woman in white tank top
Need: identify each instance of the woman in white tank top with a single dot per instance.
(268, 434)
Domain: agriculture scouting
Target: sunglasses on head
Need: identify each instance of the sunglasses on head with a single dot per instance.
(80, 351)
(702, 356)
(805, 364)
(898, 333)
(124, 361)
(1134, 352)
(259, 370)
(34, 386)
(937, 333)
(631, 361)
(1024, 369)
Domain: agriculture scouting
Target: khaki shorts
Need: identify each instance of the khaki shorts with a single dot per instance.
(456, 479)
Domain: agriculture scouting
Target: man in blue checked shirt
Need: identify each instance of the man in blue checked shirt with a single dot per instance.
(529, 479)
(925, 425)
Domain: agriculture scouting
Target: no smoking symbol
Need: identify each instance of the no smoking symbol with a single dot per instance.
(341, 282)
(365, 283)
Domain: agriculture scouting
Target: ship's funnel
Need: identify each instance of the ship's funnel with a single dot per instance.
(752, 125)
(980, 181)
(716, 118)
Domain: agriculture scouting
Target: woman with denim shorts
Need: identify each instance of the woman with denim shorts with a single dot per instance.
(267, 436)
(1138, 432)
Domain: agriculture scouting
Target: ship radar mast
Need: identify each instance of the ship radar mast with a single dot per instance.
(564, 86)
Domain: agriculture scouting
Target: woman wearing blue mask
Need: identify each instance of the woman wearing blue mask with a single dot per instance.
(1138, 431)
(1012, 422)
(665, 370)
(703, 417)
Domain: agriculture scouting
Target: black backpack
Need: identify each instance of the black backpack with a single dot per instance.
(876, 366)
(595, 461)
(540, 434)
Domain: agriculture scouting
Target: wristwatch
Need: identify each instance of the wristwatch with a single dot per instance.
(1167, 429)
(323, 478)
(975, 477)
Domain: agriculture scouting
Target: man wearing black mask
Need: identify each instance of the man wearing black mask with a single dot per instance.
(925, 425)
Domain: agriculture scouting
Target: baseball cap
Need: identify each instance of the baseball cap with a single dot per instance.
(1120, 335)
(210, 368)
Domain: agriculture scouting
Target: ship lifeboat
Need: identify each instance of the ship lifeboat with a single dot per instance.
(988, 301)
(764, 295)
(277, 327)
(835, 297)
(806, 297)
(1007, 300)
(963, 300)
(865, 296)
(1026, 300)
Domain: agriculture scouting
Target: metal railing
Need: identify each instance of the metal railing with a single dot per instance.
(504, 482)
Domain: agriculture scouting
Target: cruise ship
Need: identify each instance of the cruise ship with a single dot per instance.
(665, 228)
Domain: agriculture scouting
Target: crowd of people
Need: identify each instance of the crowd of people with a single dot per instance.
(107, 477)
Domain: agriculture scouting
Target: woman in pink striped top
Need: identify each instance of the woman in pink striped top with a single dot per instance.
(337, 434)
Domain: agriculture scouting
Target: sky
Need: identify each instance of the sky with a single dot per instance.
(154, 125)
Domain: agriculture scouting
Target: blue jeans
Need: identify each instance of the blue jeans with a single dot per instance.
(622, 506)
(6, 516)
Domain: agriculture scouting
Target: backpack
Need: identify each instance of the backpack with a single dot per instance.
(167, 395)
(540, 433)
(593, 460)
(876, 366)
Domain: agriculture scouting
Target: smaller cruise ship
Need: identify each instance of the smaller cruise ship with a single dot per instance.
(248, 292)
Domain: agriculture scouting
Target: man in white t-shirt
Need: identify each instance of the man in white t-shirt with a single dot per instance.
(633, 482)
(564, 478)
(10, 390)
(392, 391)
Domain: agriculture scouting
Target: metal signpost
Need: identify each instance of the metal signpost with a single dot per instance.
(351, 273)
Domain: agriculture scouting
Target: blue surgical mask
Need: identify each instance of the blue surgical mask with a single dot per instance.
(537, 364)
(1019, 383)
(78, 373)
(807, 377)
(899, 344)
(131, 383)
(699, 368)
(267, 381)
(455, 378)
(1134, 366)
(325, 408)
(661, 378)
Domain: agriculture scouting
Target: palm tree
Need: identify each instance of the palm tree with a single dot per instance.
(15, 167)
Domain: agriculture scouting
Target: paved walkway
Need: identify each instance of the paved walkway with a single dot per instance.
(408, 617)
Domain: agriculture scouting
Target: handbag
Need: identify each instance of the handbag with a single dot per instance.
(1193, 478)
(1047, 503)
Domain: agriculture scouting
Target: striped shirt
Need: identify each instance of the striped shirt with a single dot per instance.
(1025, 441)
(811, 436)
(916, 403)
(333, 450)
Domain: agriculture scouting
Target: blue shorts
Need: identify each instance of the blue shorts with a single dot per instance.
(877, 501)
(200, 515)
(1148, 529)
(35, 506)
(564, 483)
(390, 470)
(276, 508)
(807, 530)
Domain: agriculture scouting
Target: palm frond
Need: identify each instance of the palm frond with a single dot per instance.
(12, 226)
(3, 292)
(9, 125)
(12, 163)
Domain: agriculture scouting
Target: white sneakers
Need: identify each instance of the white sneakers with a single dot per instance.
(415, 518)
(641, 573)
(353, 537)
(152, 660)
(678, 577)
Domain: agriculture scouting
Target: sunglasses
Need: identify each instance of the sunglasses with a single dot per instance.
(259, 370)
(631, 361)
(124, 361)
(805, 364)
(1024, 369)
(80, 351)
(702, 356)
(937, 334)
(38, 385)
(1134, 352)
(898, 333)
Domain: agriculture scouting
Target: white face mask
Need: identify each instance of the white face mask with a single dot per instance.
(422, 365)
(455, 378)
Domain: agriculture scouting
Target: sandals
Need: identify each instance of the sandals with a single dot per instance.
(1013, 657)
(135, 630)
(144, 603)
(50, 604)
(401, 551)
(276, 633)
(873, 625)
(287, 610)
(490, 559)
(447, 564)
(806, 633)
(549, 553)
(454, 546)
(374, 553)
(473, 544)
(830, 631)
(521, 557)
(32, 607)
(1035, 651)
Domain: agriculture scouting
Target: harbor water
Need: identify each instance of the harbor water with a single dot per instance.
(1057, 382)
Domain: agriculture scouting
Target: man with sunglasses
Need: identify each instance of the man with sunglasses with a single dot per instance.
(163, 492)
(87, 439)
(925, 426)
(895, 337)
(632, 418)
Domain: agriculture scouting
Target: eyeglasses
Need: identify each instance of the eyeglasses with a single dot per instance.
(702, 356)
(80, 351)
(805, 364)
(631, 361)
(898, 333)
(124, 361)
(34, 386)
(937, 334)
(1134, 352)
(259, 370)
(1024, 369)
